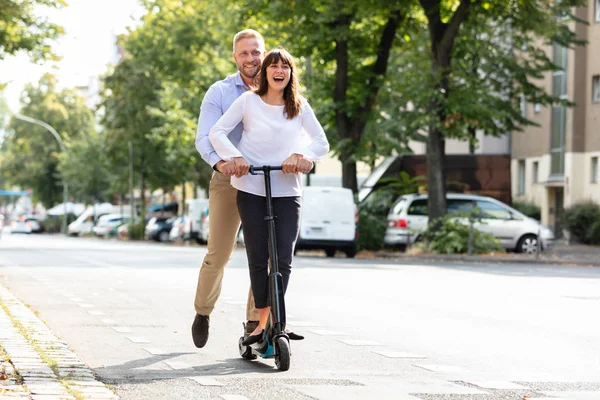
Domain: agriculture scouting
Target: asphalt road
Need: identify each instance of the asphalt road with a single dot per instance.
(374, 329)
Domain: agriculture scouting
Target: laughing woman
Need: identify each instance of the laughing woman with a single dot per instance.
(274, 118)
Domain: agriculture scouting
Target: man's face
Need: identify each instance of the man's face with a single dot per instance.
(249, 54)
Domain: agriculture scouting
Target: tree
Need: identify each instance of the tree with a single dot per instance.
(21, 29)
(29, 155)
(527, 26)
(86, 169)
(349, 43)
(129, 94)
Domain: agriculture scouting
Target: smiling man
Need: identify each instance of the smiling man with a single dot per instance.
(224, 222)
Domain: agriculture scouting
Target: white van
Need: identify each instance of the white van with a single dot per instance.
(86, 221)
(197, 214)
(329, 220)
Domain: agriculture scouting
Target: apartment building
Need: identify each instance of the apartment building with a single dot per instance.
(556, 164)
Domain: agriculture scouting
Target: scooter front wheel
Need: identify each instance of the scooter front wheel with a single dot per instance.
(283, 354)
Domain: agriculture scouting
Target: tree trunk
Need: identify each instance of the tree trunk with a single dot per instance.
(349, 175)
(472, 139)
(436, 175)
(183, 198)
(142, 195)
(442, 36)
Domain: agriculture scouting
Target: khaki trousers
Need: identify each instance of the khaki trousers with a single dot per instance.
(224, 223)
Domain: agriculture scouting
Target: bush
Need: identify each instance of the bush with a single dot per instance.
(372, 219)
(137, 230)
(450, 236)
(529, 209)
(53, 224)
(582, 221)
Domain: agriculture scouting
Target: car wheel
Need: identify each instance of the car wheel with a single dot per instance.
(163, 236)
(330, 252)
(350, 252)
(527, 244)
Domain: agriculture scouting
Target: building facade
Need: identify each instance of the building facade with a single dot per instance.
(556, 164)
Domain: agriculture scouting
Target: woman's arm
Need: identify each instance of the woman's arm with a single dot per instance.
(218, 133)
(318, 146)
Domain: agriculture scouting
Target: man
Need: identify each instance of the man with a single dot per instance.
(224, 222)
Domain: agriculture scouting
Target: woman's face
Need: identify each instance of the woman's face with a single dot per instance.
(278, 75)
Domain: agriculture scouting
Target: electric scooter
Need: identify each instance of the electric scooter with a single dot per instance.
(275, 343)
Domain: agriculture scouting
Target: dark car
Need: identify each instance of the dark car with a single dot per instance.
(158, 228)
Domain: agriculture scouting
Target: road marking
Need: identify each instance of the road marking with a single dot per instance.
(86, 305)
(233, 397)
(325, 332)
(108, 321)
(96, 312)
(497, 385)
(137, 339)
(359, 342)
(177, 364)
(440, 368)
(76, 299)
(398, 354)
(122, 329)
(205, 380)
(156, 351)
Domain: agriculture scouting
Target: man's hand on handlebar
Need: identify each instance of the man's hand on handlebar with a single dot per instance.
(295, 164)
(227, 168)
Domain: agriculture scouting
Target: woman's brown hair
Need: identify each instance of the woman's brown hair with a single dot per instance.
(291, 93)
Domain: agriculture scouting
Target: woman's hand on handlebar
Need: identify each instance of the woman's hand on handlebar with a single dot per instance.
(295, 164)
(241, 166)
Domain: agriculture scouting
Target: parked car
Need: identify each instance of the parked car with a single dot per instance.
(408, 219)
(329, 220)
(197, 214)
(180, 229)
(107, 224)
(158, 228)
(25, 224)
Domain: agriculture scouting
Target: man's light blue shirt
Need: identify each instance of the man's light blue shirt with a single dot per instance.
(217, 100)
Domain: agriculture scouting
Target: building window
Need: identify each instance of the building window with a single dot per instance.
(536, 172)
(523, 106)
(597, 10)
(537, 108)
(559, 112)
(596, 88)
(521, 189)
(594, 170)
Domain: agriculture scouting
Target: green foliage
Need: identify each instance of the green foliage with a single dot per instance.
(372, 220)
(53, 224)
(403, 184)
(137, 230)
(30, 154)
(451, 236)
(85, 167)
(22, 30)
(582, 220)
(529, 209)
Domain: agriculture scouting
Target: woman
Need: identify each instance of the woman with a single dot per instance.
(274, 117)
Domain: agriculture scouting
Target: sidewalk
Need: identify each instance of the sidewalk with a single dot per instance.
(561, 254)
(35, 364)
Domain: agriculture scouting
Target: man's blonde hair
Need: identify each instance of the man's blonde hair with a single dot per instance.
(248, 33)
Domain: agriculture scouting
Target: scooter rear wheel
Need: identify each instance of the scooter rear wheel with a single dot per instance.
(283, 354)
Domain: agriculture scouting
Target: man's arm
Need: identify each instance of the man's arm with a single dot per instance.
(210, 112)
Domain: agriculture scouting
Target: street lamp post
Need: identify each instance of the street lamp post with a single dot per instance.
(64, 150)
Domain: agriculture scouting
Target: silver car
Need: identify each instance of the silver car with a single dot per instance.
(408, 219)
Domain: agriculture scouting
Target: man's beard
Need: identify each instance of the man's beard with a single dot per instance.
(243, 72)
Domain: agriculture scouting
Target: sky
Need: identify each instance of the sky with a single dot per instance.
(86, 48)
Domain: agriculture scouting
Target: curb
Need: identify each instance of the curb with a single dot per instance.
(41, 364)
(486, 260)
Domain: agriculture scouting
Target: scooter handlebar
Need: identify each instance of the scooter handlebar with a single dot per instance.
(254, 169)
